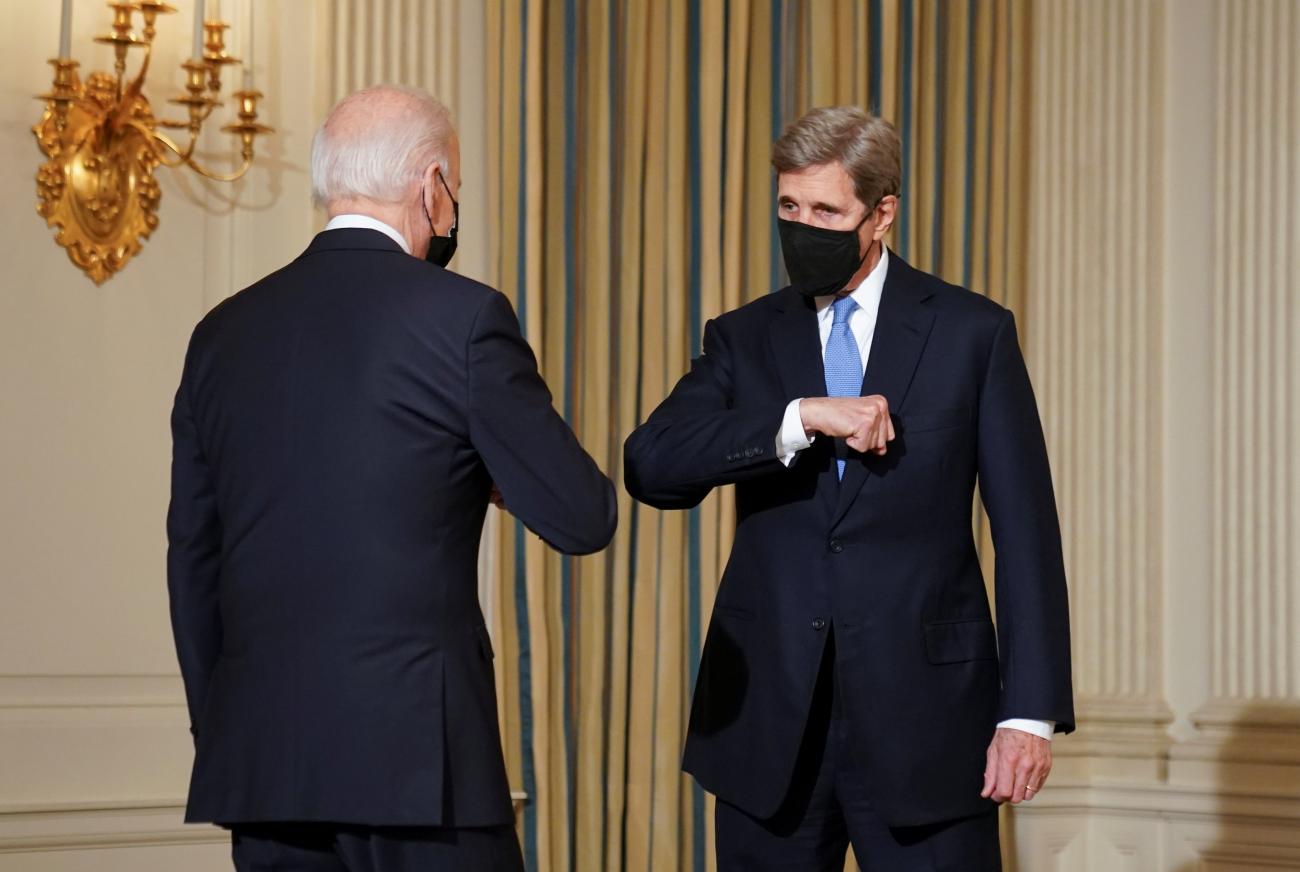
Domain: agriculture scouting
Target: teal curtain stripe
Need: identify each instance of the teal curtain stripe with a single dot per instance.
(940, 97)
(521, 569)
(525, 698)
(571, 240)
(775, 104)
(501, 155)
(971, 46)
(988, 164)
(726, 116)
(1006, 157)
(694, 172)
(905, 119)
(634, 524)
(877, 41)
(654, 696)
(613, 331)
(573, 628)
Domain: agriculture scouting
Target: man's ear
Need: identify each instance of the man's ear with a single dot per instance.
(886, 212)
(430, 185)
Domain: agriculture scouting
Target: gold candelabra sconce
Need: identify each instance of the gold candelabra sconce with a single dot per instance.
(102, 141)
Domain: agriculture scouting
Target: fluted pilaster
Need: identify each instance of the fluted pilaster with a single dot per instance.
(1093, 345)
(1255, 640)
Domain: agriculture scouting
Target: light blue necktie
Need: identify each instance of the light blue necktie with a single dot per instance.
(843, 361)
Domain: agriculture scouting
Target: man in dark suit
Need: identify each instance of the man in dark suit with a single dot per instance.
(852, 688)
(338, 433)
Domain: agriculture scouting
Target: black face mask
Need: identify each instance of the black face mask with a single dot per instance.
(820, 261)
(441, 248)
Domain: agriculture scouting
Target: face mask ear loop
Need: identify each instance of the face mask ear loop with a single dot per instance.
(866, 253)
(425, 207)
(455, 212)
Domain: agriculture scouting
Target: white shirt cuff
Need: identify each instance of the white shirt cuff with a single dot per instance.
(791, 439)
(1041, 729)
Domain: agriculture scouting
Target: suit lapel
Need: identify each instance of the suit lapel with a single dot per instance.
(797, 352)
(902, 327)
(796, 348)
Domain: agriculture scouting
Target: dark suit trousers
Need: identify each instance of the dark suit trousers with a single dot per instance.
(828, 807)
(310, 847)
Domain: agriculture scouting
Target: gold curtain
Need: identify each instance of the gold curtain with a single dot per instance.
(632, 200)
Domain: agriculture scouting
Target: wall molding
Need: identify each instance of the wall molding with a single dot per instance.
(137, 823)
(1119, 727)
(72, 826)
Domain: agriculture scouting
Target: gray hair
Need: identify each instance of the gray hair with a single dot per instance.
(866, 146)
(376, 143)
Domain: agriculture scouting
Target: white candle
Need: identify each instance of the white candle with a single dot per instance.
(198, 30)
(248, 48)
(65, 31)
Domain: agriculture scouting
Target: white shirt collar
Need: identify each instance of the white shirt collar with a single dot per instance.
(365, 222)
(868, 293)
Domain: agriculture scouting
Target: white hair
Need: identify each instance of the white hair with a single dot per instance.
(384, 139)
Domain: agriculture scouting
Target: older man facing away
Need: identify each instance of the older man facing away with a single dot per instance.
(338, 431)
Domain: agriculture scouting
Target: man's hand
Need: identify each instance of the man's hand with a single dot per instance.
(1018, 764)
(862, 422)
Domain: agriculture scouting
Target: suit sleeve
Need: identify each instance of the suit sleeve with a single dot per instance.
(696, 440)
(193, 559)
(1016, 486)
(545, 477)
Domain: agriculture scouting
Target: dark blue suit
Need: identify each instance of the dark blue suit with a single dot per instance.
(885, 559)
(337, 432)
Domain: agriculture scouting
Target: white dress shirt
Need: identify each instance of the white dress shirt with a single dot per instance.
(365, 222)
(792, 438)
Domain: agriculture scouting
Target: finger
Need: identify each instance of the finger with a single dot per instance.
(1033, 784)
(1023, 773)
(878, 433)
(881, 445)
(889, 420)
(1037, 780)
(865, 438)
(1006, 785)
(990, 771)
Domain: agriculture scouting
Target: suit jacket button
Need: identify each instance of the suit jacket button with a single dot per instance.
(836, 546)
(818, 624)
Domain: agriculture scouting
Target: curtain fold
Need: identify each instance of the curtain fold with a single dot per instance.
(633, 200)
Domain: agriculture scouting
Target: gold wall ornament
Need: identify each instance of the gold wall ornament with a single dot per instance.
(102, 142)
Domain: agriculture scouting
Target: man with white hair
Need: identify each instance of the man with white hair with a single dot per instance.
(339, 431)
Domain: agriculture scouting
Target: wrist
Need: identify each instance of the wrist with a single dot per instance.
(808, 415)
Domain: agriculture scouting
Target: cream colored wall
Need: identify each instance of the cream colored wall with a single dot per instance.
(94, 750)
(1163, 342)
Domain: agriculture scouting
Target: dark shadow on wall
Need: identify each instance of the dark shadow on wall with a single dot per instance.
(1258, 755)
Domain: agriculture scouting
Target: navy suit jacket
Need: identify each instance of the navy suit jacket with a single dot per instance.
(337, 432)
(886, 558)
